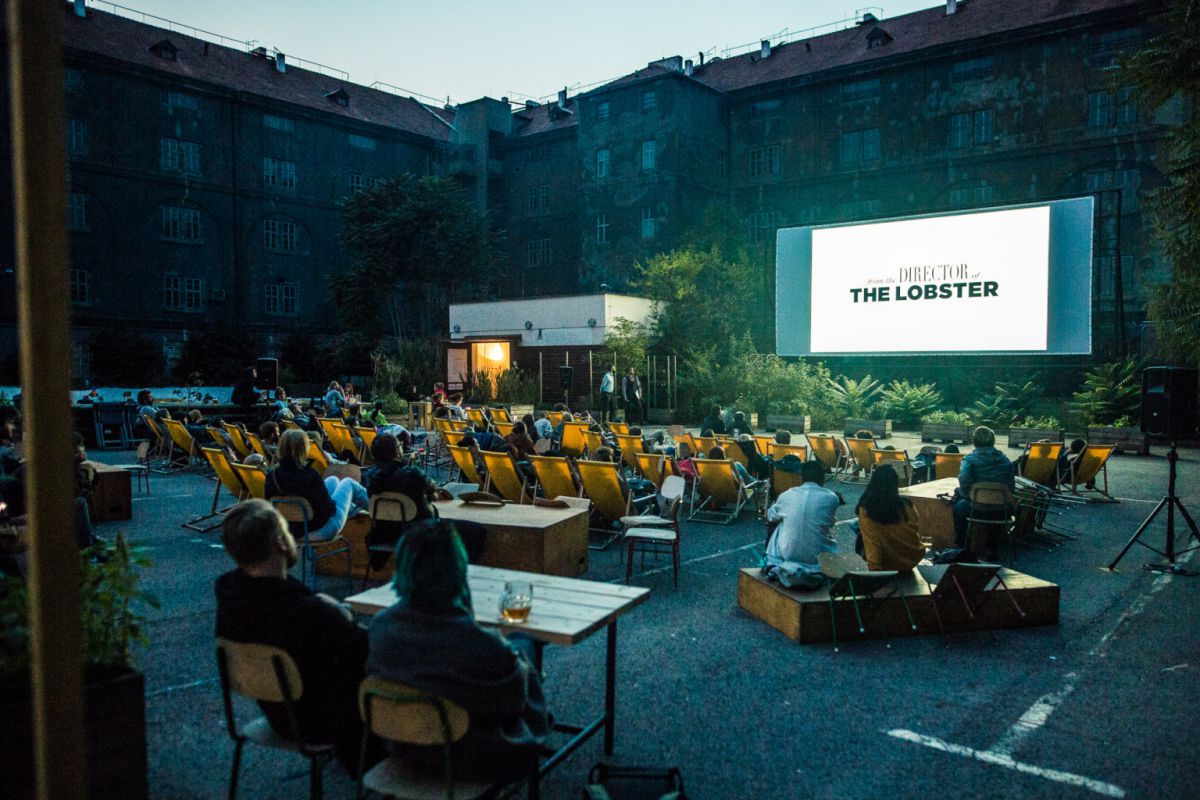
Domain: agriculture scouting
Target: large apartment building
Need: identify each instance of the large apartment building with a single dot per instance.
(205, 179)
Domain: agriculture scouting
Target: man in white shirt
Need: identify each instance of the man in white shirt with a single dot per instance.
(803, 517)
(608, 387)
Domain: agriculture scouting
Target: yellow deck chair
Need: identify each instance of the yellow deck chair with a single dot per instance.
(503, 478)
(477, 418)
(183, 441)
(946, 465)
(162, 442)
(778, 451)
(504, 428)
(555, 417)
(572, 439)
(733, 452)
(763, 442)
(289, 425)
(653, 467)
(602, 485)
(592, 441)
(897, 459)
(225, 477)
(630, 446)
(554, 476)
(254, 478)
(501, 415)
(441, 425)
(326, 423)
(1092, 464)
(619, 428)
(238, 440)
(860, 452)
(716, 486)
(781, 481)
(218, 439)
(824, 449)
(1041, 463)
(343, 442)
(457, 426)
(701, 445)
(368, 438)
(466, 465)
(256, 446)
(317, 458)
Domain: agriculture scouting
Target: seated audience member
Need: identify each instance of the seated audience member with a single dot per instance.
(683, 461)
(741, 424)
(743, 475)
(519, 442)
(333, 500)
(783, 436)
(1068, 459)
(314, 421)
(438, 398)
(455, 407)
(803, 519)
(145, 403)
(531, 427)
(268, 434)
(244, 393)
(260, 603)
(951, 448)
(985, 464)
(759, 466)
(544, 429)
(713, 422)
(441, 412)
(335, 400)
(429, 640)
(198, 427)
(887, 524)
(390, 474)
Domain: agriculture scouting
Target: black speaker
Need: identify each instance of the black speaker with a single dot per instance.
(566, 378)
(1169, 407)
(268, 373)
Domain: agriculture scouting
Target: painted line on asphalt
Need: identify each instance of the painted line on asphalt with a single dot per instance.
(164, 496)
(696, 560)
(1034, 717)
(1136, 500)
(181, 687)
(1008, 762)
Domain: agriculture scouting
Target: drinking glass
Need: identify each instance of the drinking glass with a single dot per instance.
(516, 601)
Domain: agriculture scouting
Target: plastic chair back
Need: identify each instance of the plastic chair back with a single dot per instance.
(554, 474)
(990, 495)
(393, 507)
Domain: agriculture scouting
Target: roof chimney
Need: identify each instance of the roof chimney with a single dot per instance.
(867, 19)
(764, 49)
(280, 62)
(531, 104)
(80, 8)
(687, 68)
(951, 7)
(562, 98)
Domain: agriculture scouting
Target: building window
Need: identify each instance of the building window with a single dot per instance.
(973, 127)
(537, 198)
(77, 218)
(178, 101)
(649, 100)
(960, 130)
(183, 294)
(279, 235)
(72, 79)
(649, 154)
(172, 353)
(1126, 105)
(860, 146)
(81, 287)
(1098, 109)
(281, 299)
(971, 195)
(193, 294)
(763, 161)
(177, 156)
(1104, 48)
(81, 362)
(181, 224)
(538, 154)
(766, 108)
(278, 123)
(278, 173)
(361, 142)
(1126, 181)
(602, 229)
(360, 182)
(860, 90)
(972, 69)
(76, 136)
(602, 163)
(648, 223)
(538, 253)
(602, 110)
(760, 227)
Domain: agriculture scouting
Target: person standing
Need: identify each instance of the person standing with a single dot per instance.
(608, 386)
(631, 393)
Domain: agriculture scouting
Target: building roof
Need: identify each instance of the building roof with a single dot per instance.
(128, 40)
(544, 118)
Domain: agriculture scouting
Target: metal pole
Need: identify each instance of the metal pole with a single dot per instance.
(1119, 283)
(39, 192)
(541, 380)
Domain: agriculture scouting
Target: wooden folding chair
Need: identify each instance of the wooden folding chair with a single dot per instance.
(504, 477)
(873, 588)
(1041, 463)
(237, 439)
(254, 478)
(225, 477)
(393, 507)
(602, 485)
(658, 534)
(717, 486)
(268, 675)
(216, 438)
(554, 476)
(572, 439)
(652, 467)
(1091, 464)
(946, 465)
(972, 584)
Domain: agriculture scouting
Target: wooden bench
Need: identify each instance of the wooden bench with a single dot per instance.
(804, 616)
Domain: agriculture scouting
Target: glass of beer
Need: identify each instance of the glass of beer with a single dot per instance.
(516, 601)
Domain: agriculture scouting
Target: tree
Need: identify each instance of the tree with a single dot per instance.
(121, 357)
(216, 358)
(628, 341)
(1166, 71)
(416, 244)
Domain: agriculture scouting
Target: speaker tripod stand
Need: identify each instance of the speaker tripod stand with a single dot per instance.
(1170, 502)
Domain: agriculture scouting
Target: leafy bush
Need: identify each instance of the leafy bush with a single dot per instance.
(947, 418)
(1038, 422)
(1110, 392)
(1124, 422)
(515, 386)
(907, 403)
(854, 398)
(1006, 403)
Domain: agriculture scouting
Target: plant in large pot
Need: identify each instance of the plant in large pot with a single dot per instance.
(111, 604)
(858, 400)
(946, 426)
(1035, 429)
(906, 404)
(1110, 405)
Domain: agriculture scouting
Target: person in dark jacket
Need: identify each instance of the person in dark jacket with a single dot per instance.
(713, 422)
(333, 500)
(244, 393)
(429, 640)
(259, 603)
(985, 464)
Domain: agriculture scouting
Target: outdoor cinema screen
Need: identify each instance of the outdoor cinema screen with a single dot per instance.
(1001, 280)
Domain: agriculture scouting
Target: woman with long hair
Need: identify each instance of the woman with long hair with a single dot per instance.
(332, 500)
(888, 524)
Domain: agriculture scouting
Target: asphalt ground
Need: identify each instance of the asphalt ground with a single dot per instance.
(1099, 706)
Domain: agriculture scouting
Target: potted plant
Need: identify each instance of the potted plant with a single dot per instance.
(1035, 429)
(788, 416)
(857, 400)
(114, 691)
(516, 390)
(1109, 403)
(946, 426)
(1124, 433)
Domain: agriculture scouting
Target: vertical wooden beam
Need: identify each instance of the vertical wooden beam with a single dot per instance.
(43, 300)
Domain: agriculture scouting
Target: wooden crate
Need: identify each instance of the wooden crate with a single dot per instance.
(112, 495)
(796, 423)
(879, 428)
(1127, 440)
(804, 616)
(1019, 437)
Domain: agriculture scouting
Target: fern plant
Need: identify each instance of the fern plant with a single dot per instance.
(1007, 403)
(947, 418)
(1110, 391)
(907, 403)
(855, 398)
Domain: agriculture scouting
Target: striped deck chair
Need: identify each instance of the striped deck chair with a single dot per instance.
(554, 476)
(602, 485)
(467, 471)
(716, 487)
(1041, 463)
(504, 478)
(1091, 464)
(254, 478)
(226, 477)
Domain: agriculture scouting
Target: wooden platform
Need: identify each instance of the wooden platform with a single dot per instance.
(804, 616)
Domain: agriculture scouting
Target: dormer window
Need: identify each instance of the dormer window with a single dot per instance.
(339, 96)
(164, 50)
(878, 37)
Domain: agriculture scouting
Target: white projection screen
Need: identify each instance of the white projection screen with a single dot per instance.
(1002, 280)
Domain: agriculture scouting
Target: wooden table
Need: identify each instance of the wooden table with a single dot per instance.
(552, 541)
(565, 611)
(936, 516)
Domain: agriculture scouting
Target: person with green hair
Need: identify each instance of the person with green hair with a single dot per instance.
(429, 640)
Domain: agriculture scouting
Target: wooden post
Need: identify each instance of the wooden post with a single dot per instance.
(39, 192)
